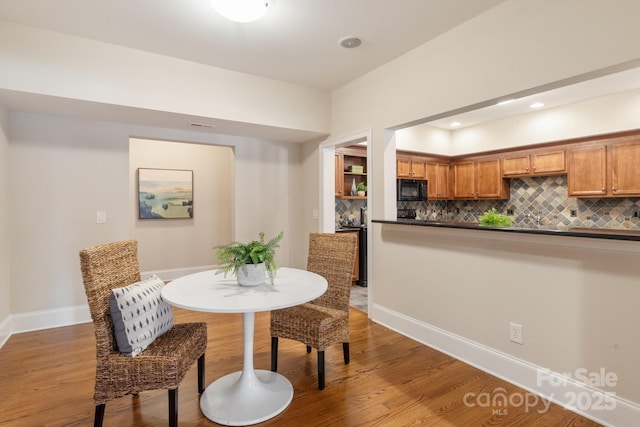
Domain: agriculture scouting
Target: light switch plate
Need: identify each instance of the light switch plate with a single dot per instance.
(101, 217)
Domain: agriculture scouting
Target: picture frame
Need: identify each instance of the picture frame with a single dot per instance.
(165, 193)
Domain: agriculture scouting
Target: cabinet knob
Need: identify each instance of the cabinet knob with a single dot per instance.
(603, 189)
(614, 189)
(527, 169)
(534, 168)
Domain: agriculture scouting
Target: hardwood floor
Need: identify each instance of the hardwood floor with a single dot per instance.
(47, 378)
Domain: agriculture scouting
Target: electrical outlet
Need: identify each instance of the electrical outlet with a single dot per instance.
(101, 217)
(515, 333)
(635, 214)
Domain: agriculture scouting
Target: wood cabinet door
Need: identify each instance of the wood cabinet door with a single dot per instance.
(548, 162)
(438, 178)
(442, 175)
(403, 167)
(516, 165)
(339, 175)
(463, 180)
(418, 169)
(625, 169)
(489, 181)
(587, 174)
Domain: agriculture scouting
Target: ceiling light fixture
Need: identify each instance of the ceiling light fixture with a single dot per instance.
(506, 101)
(455, 124)
(349, 42)
(536, 105)
(241, 10)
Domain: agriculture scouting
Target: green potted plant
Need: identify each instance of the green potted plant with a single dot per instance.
(249, 261)
(493, 218)
(361, 189)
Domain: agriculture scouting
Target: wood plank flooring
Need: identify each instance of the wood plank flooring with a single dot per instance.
(47, 379)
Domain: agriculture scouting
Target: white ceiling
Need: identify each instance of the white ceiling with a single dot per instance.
(296, 42)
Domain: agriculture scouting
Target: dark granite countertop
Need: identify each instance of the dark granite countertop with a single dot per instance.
(595, 233)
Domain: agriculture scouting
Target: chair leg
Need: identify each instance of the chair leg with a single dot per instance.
(274, 354)
(97, 420)
(201, 374)
(345, 350)
(173, 407)
(321, 370)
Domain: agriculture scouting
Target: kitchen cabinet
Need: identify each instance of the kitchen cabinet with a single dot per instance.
(605, 169)
(438, 181)
(479, 179)
(345, 159)
(413, 167)
(339, 178)
(534, 164)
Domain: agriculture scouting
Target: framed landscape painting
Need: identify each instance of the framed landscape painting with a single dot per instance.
(165, 193)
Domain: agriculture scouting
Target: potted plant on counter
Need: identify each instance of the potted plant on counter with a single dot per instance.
(250, 262)
(492, 218)
(361, 189)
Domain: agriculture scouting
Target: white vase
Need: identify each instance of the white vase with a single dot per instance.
(252, 274)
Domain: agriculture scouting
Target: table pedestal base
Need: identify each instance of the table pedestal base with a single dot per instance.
(244, 398)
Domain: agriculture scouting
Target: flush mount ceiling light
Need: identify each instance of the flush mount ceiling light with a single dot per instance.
(241, 10)
(349, 42)
(455, 124)
(536, 105)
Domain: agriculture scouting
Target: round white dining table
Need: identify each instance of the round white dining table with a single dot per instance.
(250, 396)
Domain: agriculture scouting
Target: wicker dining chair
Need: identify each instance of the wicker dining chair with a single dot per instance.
(325, 320)
(163, 364)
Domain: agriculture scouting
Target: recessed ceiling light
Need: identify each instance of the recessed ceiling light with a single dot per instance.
(506, 101)
(455, 124)
(349, 42)
(536, 105)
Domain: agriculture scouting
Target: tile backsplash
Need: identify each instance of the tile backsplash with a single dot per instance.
(544, 196)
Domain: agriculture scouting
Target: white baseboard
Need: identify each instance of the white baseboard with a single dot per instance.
(604, 408)
(66, 316)
(46, 319)
(5, 330)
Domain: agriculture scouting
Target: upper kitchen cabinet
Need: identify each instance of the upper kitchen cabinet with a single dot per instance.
(479, 179)
(414, 167)
(534, 163)
(605, 168)
(439, 183)
(350, 167)
(339, 170)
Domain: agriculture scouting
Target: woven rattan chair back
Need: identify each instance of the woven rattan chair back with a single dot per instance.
(325, 320)
(105, 267)
(333, 256)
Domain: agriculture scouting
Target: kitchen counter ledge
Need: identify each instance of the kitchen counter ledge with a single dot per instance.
(592, 233)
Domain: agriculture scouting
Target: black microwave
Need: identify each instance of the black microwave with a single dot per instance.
(411, 190)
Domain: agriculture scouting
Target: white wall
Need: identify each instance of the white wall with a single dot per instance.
(64, 170)
(607, 114)
(48, 63)
(613, 113)
(5, 279)
(575, 299)
(515, 46)
(184, 243)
